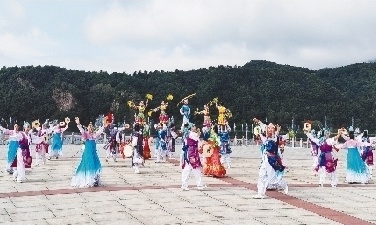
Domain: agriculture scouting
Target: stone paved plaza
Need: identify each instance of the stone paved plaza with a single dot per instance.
(155, 197)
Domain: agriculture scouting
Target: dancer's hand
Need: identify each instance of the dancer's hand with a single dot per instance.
(77, 120)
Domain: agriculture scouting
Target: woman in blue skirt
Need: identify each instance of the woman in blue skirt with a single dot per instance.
(57, 138)
(14, 137)
(89, 171)
(357, 171)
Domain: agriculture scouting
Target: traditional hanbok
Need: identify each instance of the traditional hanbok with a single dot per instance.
(225, 148)
(213, 165)
(191, 161)
(42, 148)
(327, 161)
(367, 154)
(161, 151)
(89, 170)
(185, 111)
(24, 159)
(13, 144)
(137, 157)
(356, 171)
(271, 169)
(57, 141)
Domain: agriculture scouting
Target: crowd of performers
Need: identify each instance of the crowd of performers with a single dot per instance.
(205, 151)
(359, 155)
(19, 153)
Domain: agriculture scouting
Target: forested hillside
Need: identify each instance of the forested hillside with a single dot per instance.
(258, 89)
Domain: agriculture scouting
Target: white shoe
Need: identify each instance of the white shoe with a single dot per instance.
(185, 188)
(19, 181)
(286, 190)
(137, 171)
(202, 187)
(258, 196)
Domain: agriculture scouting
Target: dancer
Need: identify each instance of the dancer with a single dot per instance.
(171, 137)
(185, 111)
(137, 142)
(314, 149)
(356, 171)
(57, 139)
(327, 161)
(14, 137)
(206, 113)
(89, 170)
(41, 149)
(161, 150)
(191, 159)
(271, 162)
(24, 159)
(140, 117)
(225, 146)
(146, 139)
(366, 152)
(213, 165)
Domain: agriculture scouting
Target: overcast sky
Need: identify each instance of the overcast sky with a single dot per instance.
(127, 36)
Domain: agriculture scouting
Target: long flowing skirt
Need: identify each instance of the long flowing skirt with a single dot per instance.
(12, 151)
(356, 171)
(89, 170)
(213, 165)
(57, 145)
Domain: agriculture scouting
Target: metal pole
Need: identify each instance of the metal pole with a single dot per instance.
(246, 134)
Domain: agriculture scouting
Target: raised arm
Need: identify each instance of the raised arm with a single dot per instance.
(5, 131)
(99, 132)
(312, 138)
(79, 126)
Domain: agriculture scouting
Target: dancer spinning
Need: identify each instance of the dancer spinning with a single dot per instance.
(356, 171)
(89, 170)
(14, 137)
(191, 159)
(57, 139)
(271, 162)
(327, 162)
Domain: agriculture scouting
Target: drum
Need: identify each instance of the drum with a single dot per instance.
(207, 151)
(128, 151)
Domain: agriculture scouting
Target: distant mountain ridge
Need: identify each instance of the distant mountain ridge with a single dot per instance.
(260, 89)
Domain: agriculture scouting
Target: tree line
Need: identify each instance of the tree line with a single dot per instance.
(261, 89)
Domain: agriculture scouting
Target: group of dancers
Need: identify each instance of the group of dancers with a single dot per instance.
(359, 148)
(205, 151)
(19, 142)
